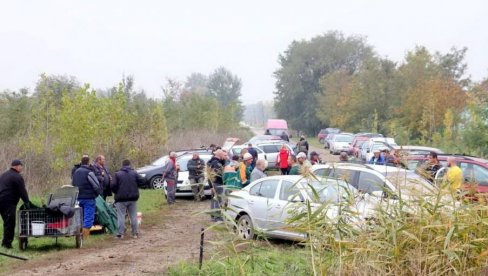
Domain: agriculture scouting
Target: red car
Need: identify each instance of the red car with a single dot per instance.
(475, 170)
(325, 131)
(356, 144)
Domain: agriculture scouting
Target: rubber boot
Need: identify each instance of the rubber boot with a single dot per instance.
(86, 233)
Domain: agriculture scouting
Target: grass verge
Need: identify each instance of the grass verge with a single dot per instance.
(149, 203)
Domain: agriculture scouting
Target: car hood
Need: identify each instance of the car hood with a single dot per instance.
(147, 168)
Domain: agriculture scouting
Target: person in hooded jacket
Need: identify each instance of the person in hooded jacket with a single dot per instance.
(170, 175)
(88, 189)
(126, 189)
(216, 181)
(282, 160)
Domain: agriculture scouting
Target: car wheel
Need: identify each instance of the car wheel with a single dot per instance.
(245, 229)
(156, 183)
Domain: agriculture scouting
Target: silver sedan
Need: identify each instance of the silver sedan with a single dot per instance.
(266, 205)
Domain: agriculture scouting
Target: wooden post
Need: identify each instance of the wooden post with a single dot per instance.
(201, 247)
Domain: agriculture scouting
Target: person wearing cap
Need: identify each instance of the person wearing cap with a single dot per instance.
(303, 162)
(245, 169)
(216, 167)
(377, 158)
(12, 188)
(314, 158)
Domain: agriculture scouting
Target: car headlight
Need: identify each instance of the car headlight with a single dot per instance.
(143, 175)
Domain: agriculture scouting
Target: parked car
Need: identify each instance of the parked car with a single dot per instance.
(272, 151)
(369, 135)
(153, 172)
(327, 140)
(183, 185)
(377, 180)
(262, 138)
(340, 142)
(377, 144)
(475, 171)
(266, 204)
(356, 145)
(417, 150)
(325, 131)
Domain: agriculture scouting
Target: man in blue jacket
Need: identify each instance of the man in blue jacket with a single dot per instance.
(126, 189)
(88, 189)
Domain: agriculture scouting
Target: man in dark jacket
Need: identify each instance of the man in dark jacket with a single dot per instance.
(126, 188)
(284, 137)
(103, 175)
(216, 182)
(77, 166)
(196, 167)
(88, 189)
(302, 145)
(254, 154)
(12, 188)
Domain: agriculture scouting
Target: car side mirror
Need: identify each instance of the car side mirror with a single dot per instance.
(296, 198)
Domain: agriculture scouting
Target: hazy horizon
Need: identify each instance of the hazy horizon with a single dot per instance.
(98, 42)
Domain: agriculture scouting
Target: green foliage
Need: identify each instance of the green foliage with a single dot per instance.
(302, 67)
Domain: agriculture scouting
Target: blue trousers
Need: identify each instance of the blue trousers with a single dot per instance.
(88, 206)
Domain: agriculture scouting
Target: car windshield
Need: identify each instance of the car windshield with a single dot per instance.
(343, 138)
(328, 190)
(359, 143)
(161, 161)
(409, 182)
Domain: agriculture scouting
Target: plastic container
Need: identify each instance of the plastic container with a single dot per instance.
(139, 218)
(38, 228)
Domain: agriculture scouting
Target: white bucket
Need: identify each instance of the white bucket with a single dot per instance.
(38, 228)
(139, 218)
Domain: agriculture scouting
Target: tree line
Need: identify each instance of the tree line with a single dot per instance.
(340, 81)
(53, 125)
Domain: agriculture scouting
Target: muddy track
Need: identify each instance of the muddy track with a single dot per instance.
(168, 239)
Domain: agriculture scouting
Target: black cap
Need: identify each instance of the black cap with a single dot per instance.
(16, 162)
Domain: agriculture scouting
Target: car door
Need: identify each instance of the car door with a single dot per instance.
(288, 199)
(475, 176)
(261, 197)
(271, 152)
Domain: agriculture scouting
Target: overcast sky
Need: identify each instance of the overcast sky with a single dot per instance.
(99, 41)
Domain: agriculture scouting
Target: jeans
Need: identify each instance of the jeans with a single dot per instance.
(8, 215)
(216, 203)
(197, 187)
(88, 206)
(284, 171)
(122, 208)
(171, 191)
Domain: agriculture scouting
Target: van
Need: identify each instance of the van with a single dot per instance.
(277, 126)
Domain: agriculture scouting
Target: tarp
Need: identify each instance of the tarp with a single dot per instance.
(106, 215)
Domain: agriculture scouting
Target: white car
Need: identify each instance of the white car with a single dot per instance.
(236, 150)
(272, 150)
(266, 205)
(183, 186)
(340, 142)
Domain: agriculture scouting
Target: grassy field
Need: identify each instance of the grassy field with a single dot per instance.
(149, 203)
(261, 259)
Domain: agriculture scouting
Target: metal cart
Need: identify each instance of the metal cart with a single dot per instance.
(44, 222)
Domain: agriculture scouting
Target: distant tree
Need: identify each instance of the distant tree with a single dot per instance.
(225, 87)
(302, 66)
(196, 83)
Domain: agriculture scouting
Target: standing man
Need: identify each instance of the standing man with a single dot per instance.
(170, 175)
(245, 169)
(126, 188)
(88, 189)
(12, 188)
(254, 154)
(431, 166)
(258, 172)
(302, 145)
(315, 158)
(304, 164)
(103, 175)
(294, 167)
(196, 167)
(454, 175)
(77, 166)
(215, 179)
(284, 137)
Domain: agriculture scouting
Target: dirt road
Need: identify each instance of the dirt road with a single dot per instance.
(170, 238)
